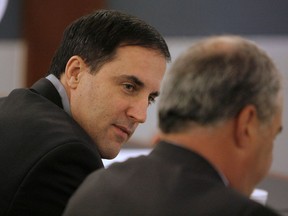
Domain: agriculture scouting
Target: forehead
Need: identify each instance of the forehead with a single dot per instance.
(146, 64)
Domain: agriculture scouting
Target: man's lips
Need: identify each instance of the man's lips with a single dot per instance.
(124, 129)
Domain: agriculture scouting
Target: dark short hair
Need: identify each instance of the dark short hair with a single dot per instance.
(96, 37)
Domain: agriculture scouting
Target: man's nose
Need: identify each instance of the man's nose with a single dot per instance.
(138, 111)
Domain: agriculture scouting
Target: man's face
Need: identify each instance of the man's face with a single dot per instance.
(110, 104)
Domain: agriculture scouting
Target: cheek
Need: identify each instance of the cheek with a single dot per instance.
(269, 144)
(266, 154)
(82, 106)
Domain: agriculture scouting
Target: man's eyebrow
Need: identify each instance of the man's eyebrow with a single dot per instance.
(133, 79)
(154, 94)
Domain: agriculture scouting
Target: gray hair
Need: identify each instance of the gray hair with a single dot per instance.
(214, 80)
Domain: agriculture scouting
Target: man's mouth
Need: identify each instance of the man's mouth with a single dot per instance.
(124, 129)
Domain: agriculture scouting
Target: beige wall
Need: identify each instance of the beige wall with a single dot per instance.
(12, 64)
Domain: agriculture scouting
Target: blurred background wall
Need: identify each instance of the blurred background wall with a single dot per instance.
(31, 30)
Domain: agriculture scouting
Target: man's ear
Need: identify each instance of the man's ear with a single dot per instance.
(74, 70)
(247, 123)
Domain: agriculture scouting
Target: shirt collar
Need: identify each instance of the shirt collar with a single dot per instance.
(223, 177)
(62, 92)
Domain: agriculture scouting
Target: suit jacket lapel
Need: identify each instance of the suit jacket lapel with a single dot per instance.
(45, 88)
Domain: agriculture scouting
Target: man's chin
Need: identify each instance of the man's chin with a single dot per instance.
(110, 153)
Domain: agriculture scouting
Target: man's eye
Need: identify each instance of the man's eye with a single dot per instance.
(151, 100)
(129, 87)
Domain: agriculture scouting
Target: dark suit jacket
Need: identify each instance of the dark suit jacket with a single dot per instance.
(44, 153)
(169, 181)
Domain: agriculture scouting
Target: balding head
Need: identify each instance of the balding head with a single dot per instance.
(222, 99)
(216, 78)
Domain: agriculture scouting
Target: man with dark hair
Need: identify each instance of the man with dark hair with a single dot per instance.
(219, 112)
(101, 81)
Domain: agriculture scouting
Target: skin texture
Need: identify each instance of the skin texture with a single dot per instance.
(262, 153)
(111, 103)
(252, 148)
(240, 148)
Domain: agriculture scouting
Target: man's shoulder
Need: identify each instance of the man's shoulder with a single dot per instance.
(26, 105)
(45, 153)
(26, 100)
(33, 126)
(158, 194)
(227, 201)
